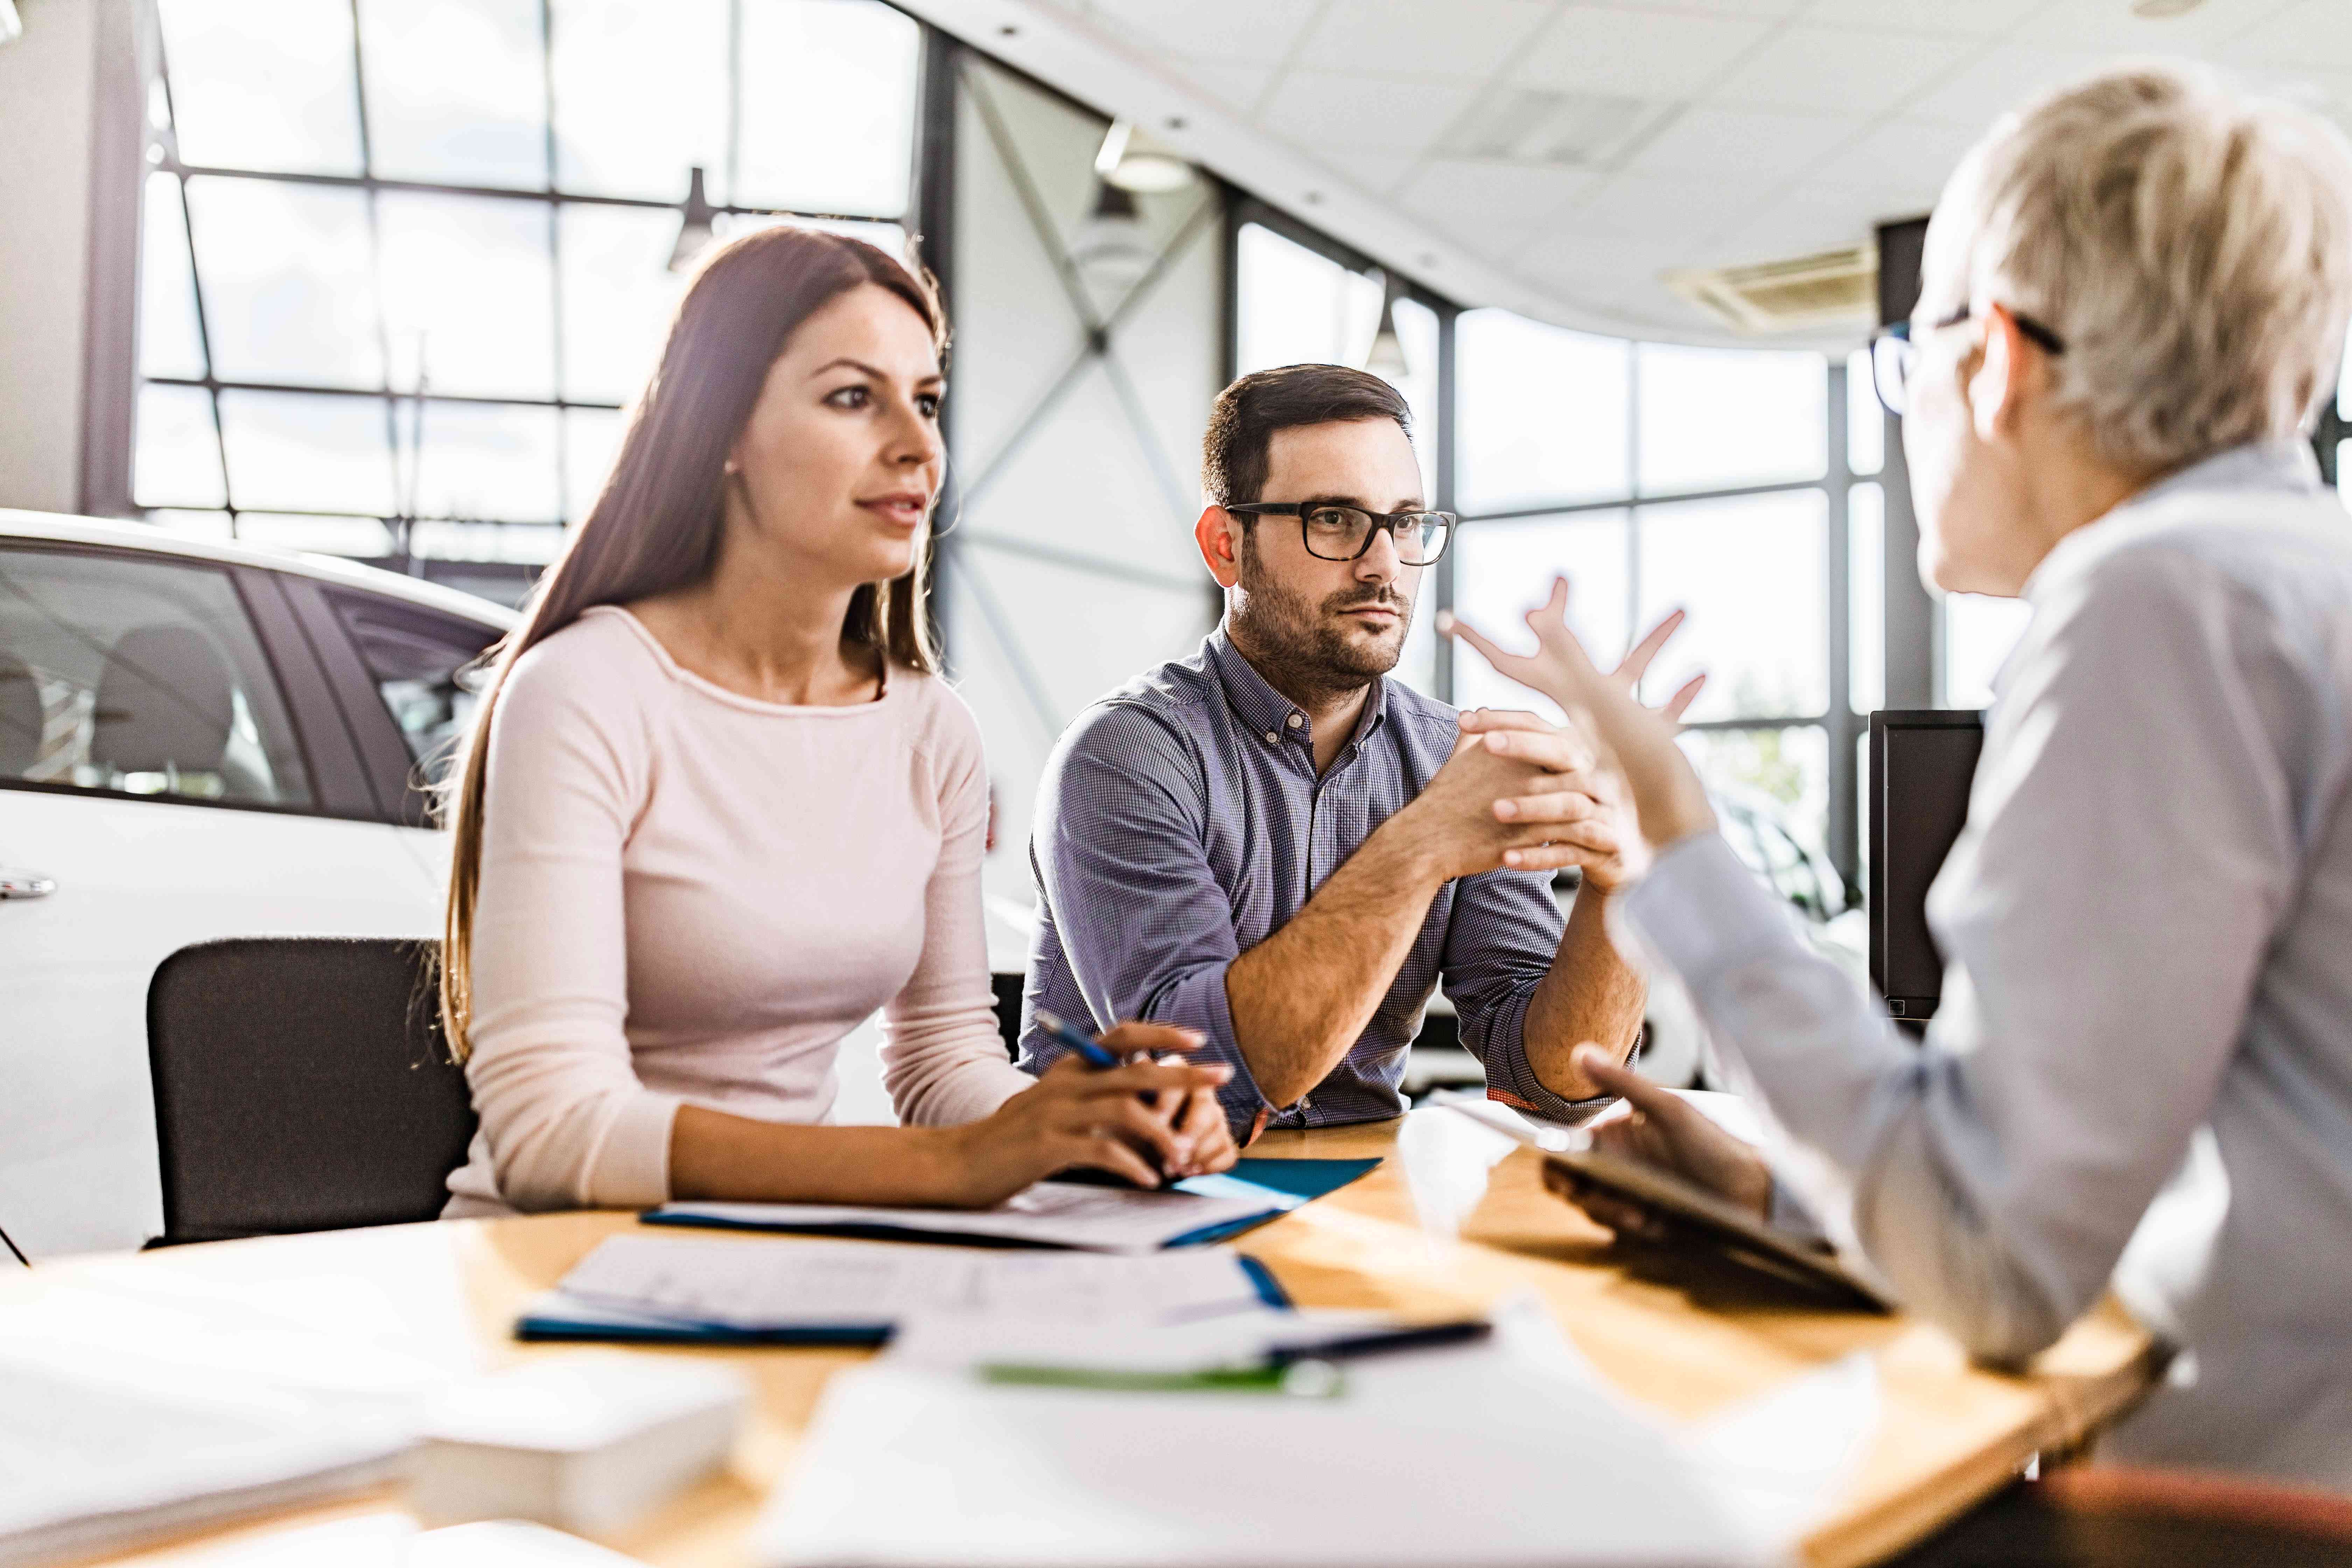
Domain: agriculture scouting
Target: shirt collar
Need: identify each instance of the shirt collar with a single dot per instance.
(2285, 467)
(1268, 711)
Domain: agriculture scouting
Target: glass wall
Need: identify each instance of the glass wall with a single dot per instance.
(1655, 477)
(405, 260)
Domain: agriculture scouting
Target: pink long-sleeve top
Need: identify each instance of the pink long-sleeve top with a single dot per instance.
(689, 897)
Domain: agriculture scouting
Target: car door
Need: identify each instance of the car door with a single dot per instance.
(172, 770)
(410, 680)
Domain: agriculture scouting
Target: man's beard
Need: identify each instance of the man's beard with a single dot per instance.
(1297, 647)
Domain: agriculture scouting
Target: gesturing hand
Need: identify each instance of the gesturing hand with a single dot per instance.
(1638, 742)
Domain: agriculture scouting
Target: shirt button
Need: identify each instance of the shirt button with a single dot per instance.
(1272, 738)
(1296, 721)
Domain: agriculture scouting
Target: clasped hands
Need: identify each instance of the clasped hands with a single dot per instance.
(1532, 797)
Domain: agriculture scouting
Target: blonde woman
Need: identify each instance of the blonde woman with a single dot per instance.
(2132, 304)
(719, 806)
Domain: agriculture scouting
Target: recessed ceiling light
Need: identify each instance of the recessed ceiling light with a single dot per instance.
(2161, 8)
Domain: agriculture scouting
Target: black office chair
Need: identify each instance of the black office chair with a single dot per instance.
(302, 1083)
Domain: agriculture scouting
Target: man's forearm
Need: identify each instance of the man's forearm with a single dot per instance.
(1589, 994)
(1300, 998)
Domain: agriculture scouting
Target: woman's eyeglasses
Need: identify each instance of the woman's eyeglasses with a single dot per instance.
(1894, 356)
(1334, 532)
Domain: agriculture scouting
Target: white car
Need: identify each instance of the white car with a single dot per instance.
(197, 740)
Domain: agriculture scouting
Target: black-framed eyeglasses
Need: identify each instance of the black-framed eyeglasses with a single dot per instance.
(1336, 532)
(1894, 356)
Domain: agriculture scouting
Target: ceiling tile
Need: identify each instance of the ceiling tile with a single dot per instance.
(1470, 196)
(1767, 8)
(1841, 70)
(1656, 208)
(1903, 161)
(1747, 150)
(1998, 81)
(1960, 18)
(2315, 33)
(1459, 38)
(2110, 26)
(1805, 222)
(1638, 54)
(1315, 109)
(1262, 30)
(1240, 85)
(1379, 173)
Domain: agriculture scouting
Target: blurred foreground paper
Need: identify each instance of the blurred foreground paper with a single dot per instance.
(1482, 1456)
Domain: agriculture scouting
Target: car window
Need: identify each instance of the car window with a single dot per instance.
(424, 667)
(139, 676)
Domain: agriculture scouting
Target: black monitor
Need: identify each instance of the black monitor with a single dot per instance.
(1922, 762)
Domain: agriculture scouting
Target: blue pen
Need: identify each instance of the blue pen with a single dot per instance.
(1093, 1055)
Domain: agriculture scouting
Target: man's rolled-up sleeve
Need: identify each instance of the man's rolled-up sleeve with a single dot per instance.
(1499, 945)
(1120, 855)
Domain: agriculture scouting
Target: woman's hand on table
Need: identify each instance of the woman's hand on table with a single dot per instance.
(1637, 743)
(1659, 1127)
(1109, 1119)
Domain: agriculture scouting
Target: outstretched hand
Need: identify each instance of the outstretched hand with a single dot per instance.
(1669, 802)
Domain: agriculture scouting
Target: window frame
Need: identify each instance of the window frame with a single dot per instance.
(162, 158)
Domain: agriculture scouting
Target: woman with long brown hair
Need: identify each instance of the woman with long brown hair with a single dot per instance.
(719, 806)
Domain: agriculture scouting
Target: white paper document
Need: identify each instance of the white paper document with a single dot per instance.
(767, 1286)
(1495, 1455)
(91, 1456)
(1050, 1214)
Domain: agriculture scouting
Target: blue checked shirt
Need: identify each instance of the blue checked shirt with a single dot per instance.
(1180, 823)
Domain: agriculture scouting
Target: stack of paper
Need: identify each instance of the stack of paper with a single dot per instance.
(1497, 1455)
(95, 1454)
(804, 1292)
(1195, 1211)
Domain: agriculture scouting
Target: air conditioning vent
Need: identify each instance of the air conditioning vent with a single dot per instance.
(1828, 289)
(1558, 130)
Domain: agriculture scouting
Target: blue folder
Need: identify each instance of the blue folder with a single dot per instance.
(556, 1316)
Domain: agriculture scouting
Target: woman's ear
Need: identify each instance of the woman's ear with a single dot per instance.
(1997, 385)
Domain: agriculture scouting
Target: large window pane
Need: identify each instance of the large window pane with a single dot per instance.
(361, 536)
(290, 452)
(1865, 554)
(828, 106)
(591, 439)
(1720, 418)
(1543, 414)
(178, 462)
(1751, 572)
(456, 92)
(1505, 569)
(1979, 631)
(531, 544)
(468, 285)
(488, 461)
(618, 294)
(169, 343)
(1865, 417)
(640, 97)
(1763, 779)
(263, 84)
(1296, 306)
(288, 282)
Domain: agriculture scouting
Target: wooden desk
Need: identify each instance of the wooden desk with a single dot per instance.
(1680, 1334)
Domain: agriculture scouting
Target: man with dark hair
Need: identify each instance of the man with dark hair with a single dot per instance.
(1272, 844)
